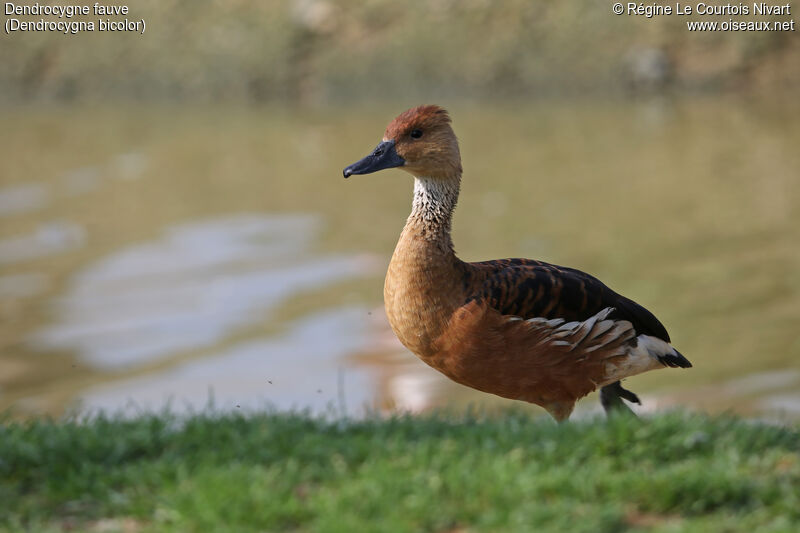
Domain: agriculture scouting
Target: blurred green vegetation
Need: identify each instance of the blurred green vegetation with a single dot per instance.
(287, 472)
(310, 51)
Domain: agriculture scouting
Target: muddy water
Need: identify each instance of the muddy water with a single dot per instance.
(196, 256)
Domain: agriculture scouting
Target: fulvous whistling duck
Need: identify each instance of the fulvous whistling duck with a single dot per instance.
(517, 328)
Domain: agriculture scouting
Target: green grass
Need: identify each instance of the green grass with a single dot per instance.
(281, 472)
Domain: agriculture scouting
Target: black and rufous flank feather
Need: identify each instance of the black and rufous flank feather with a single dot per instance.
(528, 288)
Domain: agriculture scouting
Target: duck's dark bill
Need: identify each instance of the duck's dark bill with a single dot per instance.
(383, 156)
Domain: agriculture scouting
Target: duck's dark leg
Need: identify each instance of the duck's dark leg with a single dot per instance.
(612, 396)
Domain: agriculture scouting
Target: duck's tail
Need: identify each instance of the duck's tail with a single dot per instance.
(662, 351)
(649, 353)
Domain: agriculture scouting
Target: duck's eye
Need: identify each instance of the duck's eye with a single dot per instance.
(416, 134)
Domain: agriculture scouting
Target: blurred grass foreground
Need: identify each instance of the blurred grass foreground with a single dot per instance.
(284, 472)
(347, 50)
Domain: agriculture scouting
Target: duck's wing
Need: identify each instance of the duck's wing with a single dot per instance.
(534, 289)
(584, 348)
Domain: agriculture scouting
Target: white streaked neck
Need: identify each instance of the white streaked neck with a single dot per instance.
(432, 209)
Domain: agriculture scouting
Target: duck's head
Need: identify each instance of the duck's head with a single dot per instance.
(419, 141)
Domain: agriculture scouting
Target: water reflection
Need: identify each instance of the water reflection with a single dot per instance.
(22, 198)
(195, 286)
(130, 166)
(81, 180)
(301, 369)
(129, 267)
(47, 239)
(22, 285)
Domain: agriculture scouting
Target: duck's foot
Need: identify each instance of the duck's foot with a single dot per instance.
(612, 396)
